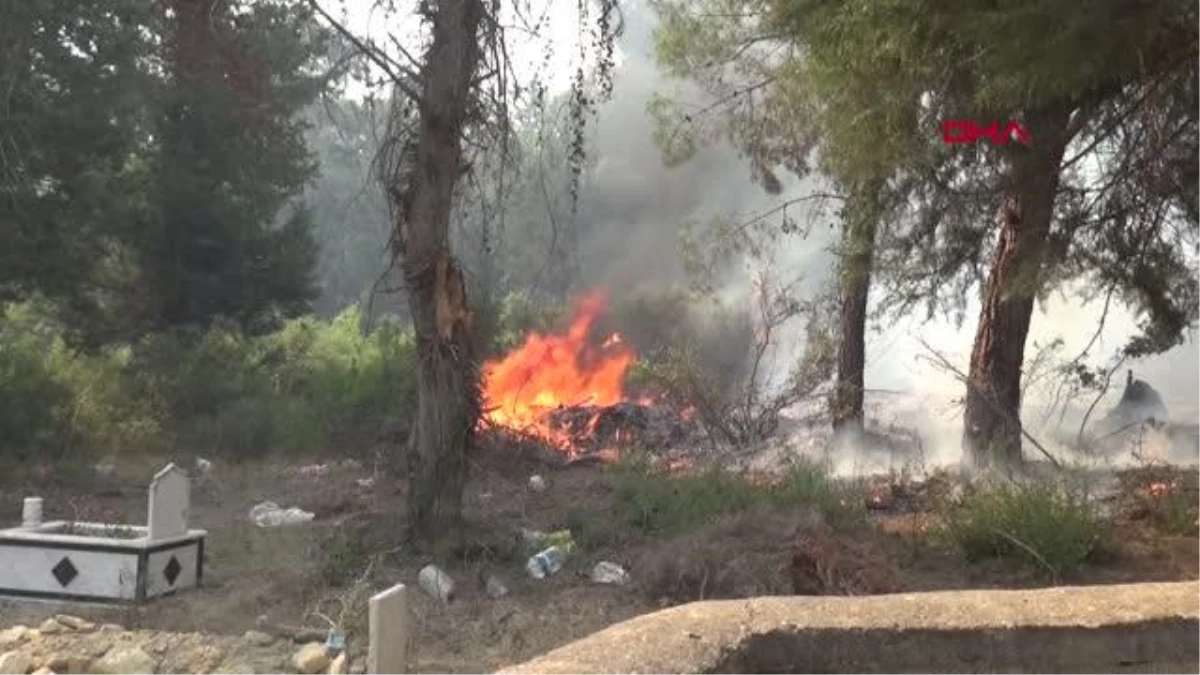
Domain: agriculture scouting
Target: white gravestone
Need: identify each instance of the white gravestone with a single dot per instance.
(387, 651)
(170, 496)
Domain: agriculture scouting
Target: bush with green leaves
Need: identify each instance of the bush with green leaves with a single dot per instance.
(1050, 526)
(33, 401)
(517, 313)
(312, 386)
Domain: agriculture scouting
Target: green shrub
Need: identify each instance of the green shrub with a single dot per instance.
(1047, 525)
(34, 403)
(312, 386)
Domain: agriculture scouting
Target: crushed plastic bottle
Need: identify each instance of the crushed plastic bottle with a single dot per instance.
(335, 642)
(436, 583)
(547, 562)
(609, 573)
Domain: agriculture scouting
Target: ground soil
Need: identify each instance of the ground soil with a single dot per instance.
(284, 577)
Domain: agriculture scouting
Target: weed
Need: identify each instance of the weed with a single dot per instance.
(655, 503)
(1048, 525)
(344, 554)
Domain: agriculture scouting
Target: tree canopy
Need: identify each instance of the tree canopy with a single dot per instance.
(178, 204)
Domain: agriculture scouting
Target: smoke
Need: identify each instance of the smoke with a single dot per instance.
(633, 206)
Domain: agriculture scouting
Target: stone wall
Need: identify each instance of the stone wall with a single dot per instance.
(1125, 628)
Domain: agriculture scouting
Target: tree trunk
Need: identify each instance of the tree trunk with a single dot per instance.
(992, 420)
(422, 195)
(858, 248)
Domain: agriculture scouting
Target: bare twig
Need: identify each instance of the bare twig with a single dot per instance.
(1103, 390)
(399, 75)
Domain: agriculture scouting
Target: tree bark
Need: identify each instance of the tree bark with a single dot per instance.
(858, 248)
(422, 195)
(992, 419)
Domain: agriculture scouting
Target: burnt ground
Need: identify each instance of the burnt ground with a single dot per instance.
(278, 577)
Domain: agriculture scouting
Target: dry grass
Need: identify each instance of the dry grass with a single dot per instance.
(738, 555)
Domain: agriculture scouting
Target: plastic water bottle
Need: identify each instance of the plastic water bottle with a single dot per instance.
(436, 583)
(547, 562)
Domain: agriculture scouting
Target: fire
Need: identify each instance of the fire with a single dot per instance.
(549, 372)
(1160, 489)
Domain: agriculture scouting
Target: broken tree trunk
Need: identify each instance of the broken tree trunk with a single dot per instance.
(992, 419)
(422, 194)
(862, 220)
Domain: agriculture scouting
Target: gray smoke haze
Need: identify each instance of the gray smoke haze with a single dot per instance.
(636, 206)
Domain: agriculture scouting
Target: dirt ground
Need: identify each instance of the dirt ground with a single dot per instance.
(273, 577)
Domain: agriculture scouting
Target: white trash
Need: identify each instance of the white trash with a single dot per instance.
(609, 573)
(537, 483)
(546, 563)
(269, 514)
(106, 469)
(436, 583)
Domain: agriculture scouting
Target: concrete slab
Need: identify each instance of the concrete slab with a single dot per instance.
(1124, 628)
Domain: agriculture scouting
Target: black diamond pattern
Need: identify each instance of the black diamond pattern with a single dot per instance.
(65, 572)
(172, 570)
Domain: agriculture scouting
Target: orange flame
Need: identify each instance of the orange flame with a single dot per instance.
(548, 372)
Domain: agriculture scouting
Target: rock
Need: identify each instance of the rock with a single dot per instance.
(13, 636)
(14, 663)
(258, 638)
(198, 658)
(52, 626)
(44, 671)
(312, 658)
(68, 663)
(338, 665)
(74, 622)
(111, 628)
(124, 661)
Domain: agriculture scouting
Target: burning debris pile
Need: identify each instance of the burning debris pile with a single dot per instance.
(568, 391)
(649, 423)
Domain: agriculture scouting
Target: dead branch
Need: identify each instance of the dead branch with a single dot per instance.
(1103, 390)
(399, 75)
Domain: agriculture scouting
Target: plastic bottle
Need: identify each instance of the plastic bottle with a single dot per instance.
(609, 573)
(547, 562)
(436, 583)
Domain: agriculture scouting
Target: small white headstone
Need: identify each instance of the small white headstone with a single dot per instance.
(387, 651)
(31, 512)
(170, 497)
